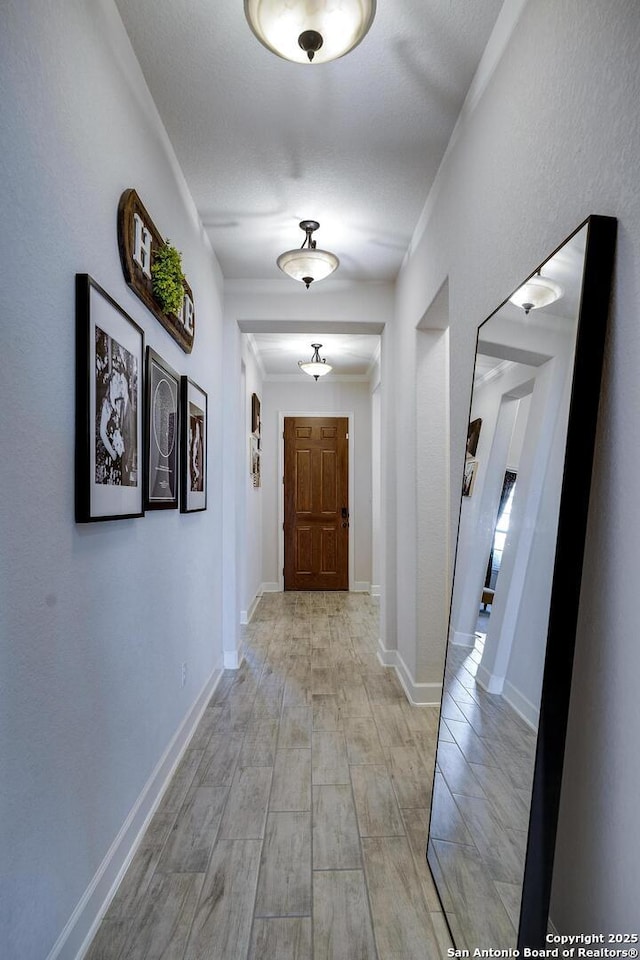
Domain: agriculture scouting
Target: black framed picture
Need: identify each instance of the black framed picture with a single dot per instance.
(255, 414)
(473, 435)
(109, 369)
(162, 432)
(194, 447)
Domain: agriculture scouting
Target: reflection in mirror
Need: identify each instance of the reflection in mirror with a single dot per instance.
(504, 582)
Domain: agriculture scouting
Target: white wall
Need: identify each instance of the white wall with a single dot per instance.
(519, 429)
(376, 501)
(330, 396)
(96, 619)
(250, 558)
(339, 304)
(550, 136)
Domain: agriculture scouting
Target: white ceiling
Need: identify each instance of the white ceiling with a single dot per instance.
(350, 355)
(265, 143)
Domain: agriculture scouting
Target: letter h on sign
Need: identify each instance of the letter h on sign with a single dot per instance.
(187, 314)
(142, 245)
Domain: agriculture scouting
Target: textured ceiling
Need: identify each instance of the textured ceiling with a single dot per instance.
(264, 143)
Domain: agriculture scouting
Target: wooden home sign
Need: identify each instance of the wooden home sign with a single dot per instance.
(138, 241)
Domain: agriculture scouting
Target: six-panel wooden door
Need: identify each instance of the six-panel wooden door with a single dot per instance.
(316, 503)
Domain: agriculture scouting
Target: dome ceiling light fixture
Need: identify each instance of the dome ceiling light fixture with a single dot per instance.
(307, 31)
(317, 366)
(537, 292)
(306, 263)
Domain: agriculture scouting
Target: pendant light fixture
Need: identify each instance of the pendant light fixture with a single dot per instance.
(307, 31)
(537, 292)
(317, 366)
(306, 263)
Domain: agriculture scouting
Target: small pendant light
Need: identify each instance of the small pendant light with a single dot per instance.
(316, 367)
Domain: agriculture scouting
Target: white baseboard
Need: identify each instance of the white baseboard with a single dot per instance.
(81, 927)
(233, 659)
(419, 694)
(462, 639)
(522, 706)
(359, 586)
(246, 615)
(488, 681)
(375, 589)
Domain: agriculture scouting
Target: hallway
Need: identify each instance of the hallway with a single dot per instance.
(295, 825)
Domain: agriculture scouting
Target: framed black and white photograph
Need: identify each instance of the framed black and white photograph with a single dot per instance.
(254, 461)
(469, 478)
(109, 367)
(194, 447)
(162, 432)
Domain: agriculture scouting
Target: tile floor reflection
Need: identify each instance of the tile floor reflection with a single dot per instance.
(480, 817)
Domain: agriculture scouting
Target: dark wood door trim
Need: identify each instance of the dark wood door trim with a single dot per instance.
(317, 549)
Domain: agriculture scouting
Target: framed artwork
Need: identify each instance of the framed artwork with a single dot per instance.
(473, 435)
(162, 431)
(255, 414)
(194, 447)
(470, 470)
(109, 368)
(254, 461)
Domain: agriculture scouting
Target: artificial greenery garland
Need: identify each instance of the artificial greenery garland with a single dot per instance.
(168, 279)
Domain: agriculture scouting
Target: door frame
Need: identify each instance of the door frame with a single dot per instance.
(352, 512)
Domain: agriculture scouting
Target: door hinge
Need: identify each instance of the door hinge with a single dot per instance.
(347, 437)
(283, 479)
(283, 526)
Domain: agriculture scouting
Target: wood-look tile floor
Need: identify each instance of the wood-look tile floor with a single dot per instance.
(295, 825)
(480, 818)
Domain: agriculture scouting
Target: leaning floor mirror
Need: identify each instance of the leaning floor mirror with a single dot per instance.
(516, 589)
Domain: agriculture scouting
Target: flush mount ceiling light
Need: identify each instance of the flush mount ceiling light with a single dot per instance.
(306, 263)
(310, 30)
(316, 367)
(537, 292)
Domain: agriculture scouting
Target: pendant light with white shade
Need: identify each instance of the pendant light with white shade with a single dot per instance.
(307, 263)
(317, 366)
(306, 31)
(537, 292)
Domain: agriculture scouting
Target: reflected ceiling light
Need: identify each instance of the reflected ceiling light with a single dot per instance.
(537, 292)
(307, 263)
(310, 30)
(316, 367)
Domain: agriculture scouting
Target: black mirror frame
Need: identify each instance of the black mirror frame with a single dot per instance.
(565, 590)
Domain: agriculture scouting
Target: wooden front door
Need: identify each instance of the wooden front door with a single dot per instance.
(316, 503)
